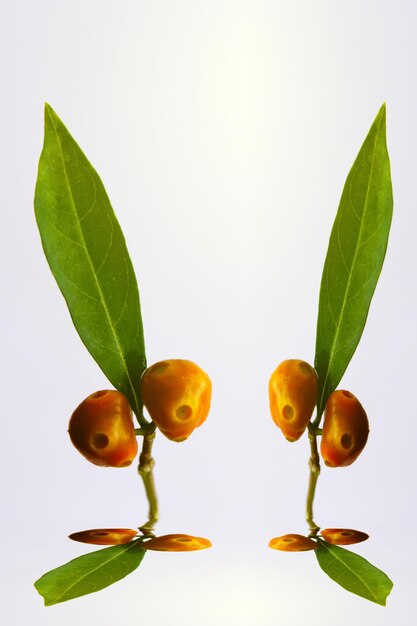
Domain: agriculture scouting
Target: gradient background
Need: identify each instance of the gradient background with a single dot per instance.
(223, 132)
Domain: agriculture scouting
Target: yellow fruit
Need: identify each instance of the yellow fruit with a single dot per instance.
(101, 428)
(177, 395)
(293, 390)
(345, 429)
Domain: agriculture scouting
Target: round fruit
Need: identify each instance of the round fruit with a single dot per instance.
(345, 429)
(105, 536)
(343, 536)
(177, 395)
(293, 543)
(101, 428)
(293, 390)
(176, 543)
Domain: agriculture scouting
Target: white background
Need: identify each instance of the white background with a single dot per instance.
(223, 132)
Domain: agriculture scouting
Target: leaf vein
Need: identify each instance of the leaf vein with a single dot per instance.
(102, 299)
(355, 574)
(343, 307)
(81, 578)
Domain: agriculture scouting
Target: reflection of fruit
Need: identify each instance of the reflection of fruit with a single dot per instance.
(293, 389)
(105, 536)
(176, 543)
(101, 428)
(345, 429)
(177, 395)
(293, 543)
(343, 536)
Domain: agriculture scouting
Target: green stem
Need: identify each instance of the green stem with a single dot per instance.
(314, 465)
(314, 431)
(145, 469)
(143, 422)
(316, 422)
(148, 430)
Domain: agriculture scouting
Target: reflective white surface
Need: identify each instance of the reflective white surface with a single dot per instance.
(223, 132)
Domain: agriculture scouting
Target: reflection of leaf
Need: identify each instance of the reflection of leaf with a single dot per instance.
(354, 259)
(87, 254)
(353, 572)
(89, 573)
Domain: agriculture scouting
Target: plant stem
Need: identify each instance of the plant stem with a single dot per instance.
(317, 420)
(314, 465)
(143, 422)
(145, 469)
(150, 428)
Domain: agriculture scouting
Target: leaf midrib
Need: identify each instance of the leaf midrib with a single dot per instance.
(342, 310)
(81, 234)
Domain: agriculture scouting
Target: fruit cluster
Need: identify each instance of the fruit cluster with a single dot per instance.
(293, 391)
(293, 396)
(177, 395)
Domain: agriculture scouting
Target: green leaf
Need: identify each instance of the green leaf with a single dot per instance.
(89, 573)
(354, 259)
(87, 254)
(353, 572)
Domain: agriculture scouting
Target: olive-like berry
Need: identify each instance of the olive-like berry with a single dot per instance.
(293, 391)
(293, 543)
(345, 429)
(105, 536)
(177, 395)
(176, 543)
(343, 536)
(101, 428)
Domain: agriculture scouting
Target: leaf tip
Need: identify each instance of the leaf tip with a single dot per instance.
(49, 112)
(382, 113)
(45, 601)
(383, 600)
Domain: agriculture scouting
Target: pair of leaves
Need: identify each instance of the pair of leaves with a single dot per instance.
(89, 573)
(87, 253)
(97, 570)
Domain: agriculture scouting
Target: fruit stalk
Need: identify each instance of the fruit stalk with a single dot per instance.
(145, 470)
(314, 465)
